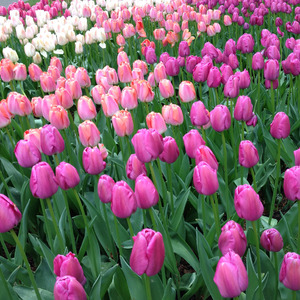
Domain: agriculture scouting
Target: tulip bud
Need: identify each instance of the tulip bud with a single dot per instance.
(51, 140)
(290, 270)
(271, 69)
(82, 76)
(34, 135)
(68, 287)
(5, 115)
(203, 153)
(27, 153)
(297, 157)
(122, 122)
(199, 114)
(160, 72)
(58, 117)
(86, 108)
(214, 77)
(232, 238)
(271, 240)
(92, 161)
(105, 186)
(186, 91)
(73, 87)
(258, 61)
(183, 49)
(18, 104)
(123, 200)
(68, 265)
(247, 203)
(172, 114)
(10, 214)
(67, 178)
(280, 126)
(89, 134)
(170, 152)
(232, 86)
(156, 121)
(231, 275)
(145, 192)
(248, 155)
(243, 109)
(192, 140)
(124, 72)
(245, 43)
(220, 118)
(172, 66)
(166, 88)
(47, 83)
(134, 167)
(109, 105)
(43, 183)
(148, 252)
(291, 183)
(20, 72)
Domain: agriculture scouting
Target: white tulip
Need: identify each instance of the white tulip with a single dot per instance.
(78, 48)
(37, 59)
(11, 54)
(82, 24)
(29, 50)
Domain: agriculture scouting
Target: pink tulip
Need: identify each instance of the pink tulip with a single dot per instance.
(92, 161)
(67, 177)
(105, 186)
(199, 114)
(271, 240)
(280, 126)
(67, 287)
(172, 114)
(297, 157)
(291, 183)
(248, 155)
(271, 69)
(243, 109)
(156, 121)
(145, 192)
(89, 134)
(122, 123)
(134, 167)
(220, 118)
(186, 91)
(170, 152)
(86, 108)
(203, 153)
(289, 273)
(51, 140)
(192, 140)
(27, 153)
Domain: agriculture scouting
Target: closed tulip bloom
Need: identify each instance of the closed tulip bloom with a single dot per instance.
(20, 72)
(160, 72)
(145, 192)
(226, 71)
(137, 74)
(192, 140)
(5, 115)
(156, 121)
(43, 183)
(35, 72)
(280, 126)
(47, 103)
(230, 47)
(205, 179)
(210, 50)
(148, 252)
(122, 122)
(258, 61)
(231, 275)
(141, 65)
(86, 108)
(245, 79)
(199, 114)
(115, 91)
(172, 66)
(61, 82)
(64, 97)
(58, 117)
(92, 161)
(27, 153)
(18, 104)
(150, 55)
(82, 76)
(47, 83)
(243, 109)
(183, 49)
(51, 140)
(9, 214)
(123, 200)
(245, 43)
(129, 98)
(89, 134)
(105, 186)
(172, 114)
(164, 57)
(271, 69)
(247, 203)
(6, 70)
(291, 183)
(220, 118)
(109, 105)
(34, 135)
(252, 121)
(67, 287)
(297, 157)
(134, 167)
(166, 88)
(203, 153)
(232, 238)
(53, 72)
(144, 91)
(148, 144)
(187, 91)
(248, 155)
(122, 57)
(73, 87)
(201, 71)
(271, 240)
(97, 92)
(124, 72)
(68, 265)
(67, 178)
(214, 77)
(290, 271)
(55, 61)
(171, 150)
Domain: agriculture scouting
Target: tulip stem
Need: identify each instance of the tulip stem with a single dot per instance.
(276, 181)
(243, 131)
(162, 182)
(10, 138)
(31, 277)
(258, 94)
(152, 219)
(225, 173)
(130, 227)
(203, 214)
(169, 170)
(294, 295)
(298, 227)
(60, 238)
(258, 258)
(47, 224)
(253, 179)
(147, 285)
(4, 248)
(273, 99)
(118, 236)
(216, 213)
(203, 134)
(276, 273)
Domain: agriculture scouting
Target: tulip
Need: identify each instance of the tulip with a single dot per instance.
(51, 140)
(192, 140)
(156, 121)
(201, 70)
(150, 55)
(297, 157)
(247, 203)
(55, 61)
(122, 122)
(291, 183)
(243, 109)
(230, 47)
(43, 183)
(5, 115)
(141, 65)
(220, 118)
(18, 104)
(231, 275)
(92, 161)
(172, 66)
(34, 135)
(252, 121)
(186, 91)
(134, 167)
(109, 105)
(166, 88)
(82, 76)
(67, 177)
(145, 192)
(58, 117)
(64, 97)
(137, 74)
(245, 43)
(123, 200)
(290, 271)
(129, 98)
(203, 153)
(67, 287)
(27, 153)
(280, 126)
(183, 49)
(47, 83)
(115, 91)
(248, 155)
(191, 62)
(271, 69)
(160, 72)
(271, 240)
(105, 186)
(232, 86)
(86, 108)
(20, 72)
(144, 91)
(10, 214)
(245, 79)
(148, 144)
(199, 114)
(172, 114)
(68, 265)
(209, 50)
(164, 57)
(73, 87)
(148, 252)
(170, 152)
(124, 72)
(226, 71)
(214, 77)
(53, 72)
(258, 61)
(232, 238)
(89, 134)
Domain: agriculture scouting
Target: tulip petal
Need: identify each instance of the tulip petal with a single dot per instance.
(138, 257)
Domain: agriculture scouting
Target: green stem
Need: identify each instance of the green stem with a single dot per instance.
(203, 214)
(118, 235)
(152, 218)
(242, 130)
(276, 181)
(31, 277)
(10, 138)
(273, 99)
(169, 174)
(216, 215)
(253, 178)
(130, 227)
(298, 227)
(276, 273)
(162, 183)
(225, 173)
(258, 258)
(50, 240)
(6, 186)
(294, 295)
(147, 285)
(4, 248)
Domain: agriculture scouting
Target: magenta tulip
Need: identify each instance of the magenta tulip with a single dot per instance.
(297, 157)
(248, 155)
(199, 114)
(220, 118)
(51, 140)
(67, 288)
(170, 152)
(27, 153)
(291, 183)
(134, 167)
(192, 140)
(66, 176)
(145, 192)
(271, 240)
(280, 126)
(290, 271)
(243, 109)
(92, 161)
(203, 153)
(105, 186)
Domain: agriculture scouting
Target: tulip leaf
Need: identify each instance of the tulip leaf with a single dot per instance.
(252, 278)
(44, 276)
(120, 286)
(7, 291)
(29, 293)
(268, 268)
(17, 178)
(179, 209)
(169, 293)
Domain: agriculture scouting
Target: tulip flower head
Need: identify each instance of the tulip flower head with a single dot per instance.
(271, 240)
(290, 270)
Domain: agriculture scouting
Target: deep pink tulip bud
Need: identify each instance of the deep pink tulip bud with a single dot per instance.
(271, 240)
(43, 183)
(172, 66)
(290, 270)
(248, 155)
(123, 200)
(243, 109)
(105, 186)
(186, 91)
(201, 70)
(148, 252)
(156, 121)
(92, 161)
(232, 238)
(271, 69)
(164, 57)
(150, 55)
(148, 144)
(67, 178)
(67, 288)
(209, 50)
(245, 43)
(172, 114)
(122, 123)
(297, 157)
(280, 126)
(9, 214)
(247, 203)
(51, 140)
(214, 77)
(171, 150)
(183, 49)
(258, 61)
(203, 153)
(89, 134)
(68, 265)
(205, 179)
(192, 140)
(145, 192)
(232, 61)
(199, 114)
(230, 47)
(245, 79)
(134, 167)
(226, 71)
(231, 275)
(291, 183)
(27, 153)
(191, 62)
(220, 118)
(252, 121)
(272, 52)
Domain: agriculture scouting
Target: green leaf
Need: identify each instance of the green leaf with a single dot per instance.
(44, 276)
(169, 293)
(252, 278)
(179, 210)
(17, 178)
(26, 293)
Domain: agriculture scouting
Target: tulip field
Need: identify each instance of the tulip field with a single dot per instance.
(150, 150)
